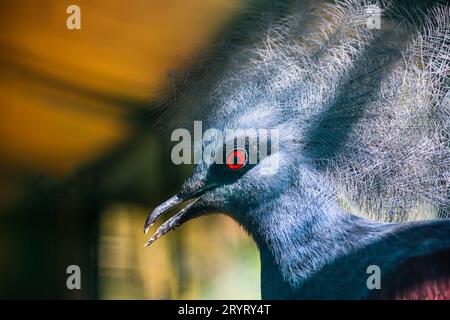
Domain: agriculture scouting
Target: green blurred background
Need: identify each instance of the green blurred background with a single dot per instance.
(81, 164)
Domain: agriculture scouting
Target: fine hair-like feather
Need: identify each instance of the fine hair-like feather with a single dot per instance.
(367, 109)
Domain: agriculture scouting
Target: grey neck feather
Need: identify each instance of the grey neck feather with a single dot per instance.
(305, 237)
(305, 232)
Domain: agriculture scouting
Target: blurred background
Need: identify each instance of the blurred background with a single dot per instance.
(81, 164)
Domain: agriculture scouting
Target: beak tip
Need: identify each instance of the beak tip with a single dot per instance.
(149, 242)
(147, 227)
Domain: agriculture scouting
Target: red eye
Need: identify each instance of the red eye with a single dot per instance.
(236, 159)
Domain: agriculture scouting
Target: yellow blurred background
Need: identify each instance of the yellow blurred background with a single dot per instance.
(79, 165)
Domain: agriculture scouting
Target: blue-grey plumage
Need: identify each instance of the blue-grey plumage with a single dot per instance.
(364, 117)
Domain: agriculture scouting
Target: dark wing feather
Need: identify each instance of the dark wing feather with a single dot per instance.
(418, 278)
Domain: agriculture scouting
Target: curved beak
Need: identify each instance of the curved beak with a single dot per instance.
(161, 209)
(182, 216)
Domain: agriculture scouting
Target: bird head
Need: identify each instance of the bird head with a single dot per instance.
(344, 100)
(245, 161)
